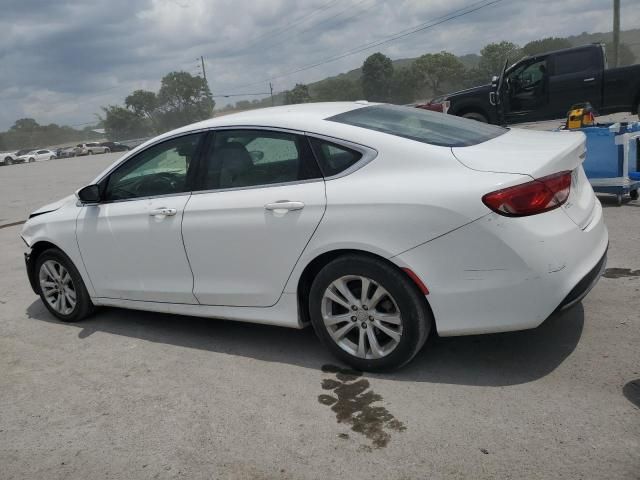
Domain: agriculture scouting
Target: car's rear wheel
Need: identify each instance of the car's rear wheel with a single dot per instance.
(107, 150)
(51, 157)
(368, 313)
(90, 152)
(61, 287)
(475, 116)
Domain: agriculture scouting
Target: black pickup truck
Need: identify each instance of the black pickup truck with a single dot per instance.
(545, 86)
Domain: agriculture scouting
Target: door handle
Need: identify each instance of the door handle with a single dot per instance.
(284, 205)
(590, 79)
(165, 212)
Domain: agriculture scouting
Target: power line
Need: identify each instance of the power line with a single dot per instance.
(326, 20)
(278, 31)
(391, 38)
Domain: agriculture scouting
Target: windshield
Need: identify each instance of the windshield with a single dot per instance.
(421, 125)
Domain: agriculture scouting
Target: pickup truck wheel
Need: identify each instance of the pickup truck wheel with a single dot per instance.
(475, 116)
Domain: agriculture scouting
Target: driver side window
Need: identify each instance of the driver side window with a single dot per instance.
(159, 170)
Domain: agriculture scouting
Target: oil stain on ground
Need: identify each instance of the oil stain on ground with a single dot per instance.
(352, 402)
(620, 273)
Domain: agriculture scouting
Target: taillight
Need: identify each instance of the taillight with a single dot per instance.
(531, 198)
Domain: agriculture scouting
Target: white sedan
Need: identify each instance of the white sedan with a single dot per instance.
(38, 156)
(375, 223)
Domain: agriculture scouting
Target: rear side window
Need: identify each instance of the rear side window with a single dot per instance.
(420, 125)
(574, 62)
(333, 159)
(251, 158)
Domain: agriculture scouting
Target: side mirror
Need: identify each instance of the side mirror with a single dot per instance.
(495, 79)
(89, 194)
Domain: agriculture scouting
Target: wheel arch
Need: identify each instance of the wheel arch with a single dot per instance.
(36, 250)
(314, 266)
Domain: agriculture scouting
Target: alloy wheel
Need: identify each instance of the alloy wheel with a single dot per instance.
(361, 317)
(57, 287)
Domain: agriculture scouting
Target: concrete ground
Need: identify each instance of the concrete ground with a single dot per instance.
(127, 394)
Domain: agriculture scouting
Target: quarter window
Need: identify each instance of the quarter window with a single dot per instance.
(333, 159)
(159, 170)
(247, 158)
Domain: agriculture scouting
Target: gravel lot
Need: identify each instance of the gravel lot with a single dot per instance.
(140, 395)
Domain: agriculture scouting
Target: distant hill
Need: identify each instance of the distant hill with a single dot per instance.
(630, 37)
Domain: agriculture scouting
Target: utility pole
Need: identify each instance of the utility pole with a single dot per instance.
(204, 72)
(616, 32)
(271, 90)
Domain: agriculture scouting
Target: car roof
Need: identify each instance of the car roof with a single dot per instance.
(302, 116)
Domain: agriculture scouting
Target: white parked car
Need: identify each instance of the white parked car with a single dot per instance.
(91, 148)
(375, 223)
(38, 156)
(8, 158)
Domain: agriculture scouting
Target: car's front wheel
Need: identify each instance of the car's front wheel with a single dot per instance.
(61, 287)
(31, 160)
(368, 313)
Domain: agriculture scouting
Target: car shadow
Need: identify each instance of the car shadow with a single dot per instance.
(609, 201)
(479, 360)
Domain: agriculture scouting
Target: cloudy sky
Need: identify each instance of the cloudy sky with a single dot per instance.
(60, 60)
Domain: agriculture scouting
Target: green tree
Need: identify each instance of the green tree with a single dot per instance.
(404, 86)
(337, 89)
(299, 94)
(145, 105)
(122, 124)
(377, 75)
(433, 69)
(183, 99)
(25, 125)
(493, 56)
(625, 55)
(545, 45)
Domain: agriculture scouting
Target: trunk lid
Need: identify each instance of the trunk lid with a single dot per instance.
(537, 154)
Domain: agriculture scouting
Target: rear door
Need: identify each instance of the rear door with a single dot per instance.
(262, 198)
(576, 77)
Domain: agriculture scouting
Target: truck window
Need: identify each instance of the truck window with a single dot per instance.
(574, 62)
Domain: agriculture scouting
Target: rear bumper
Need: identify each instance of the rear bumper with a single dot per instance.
(502, 274)
(585, 285)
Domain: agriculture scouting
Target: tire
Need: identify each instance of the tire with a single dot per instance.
(619, 199)
(107, 150)
(475, 116)
(633, 194)
(52, 157)
(90, 152)
(31, 160)
(8, 161)
(403, 300)
(83, 306)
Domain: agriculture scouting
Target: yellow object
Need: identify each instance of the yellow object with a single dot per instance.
(579, 117)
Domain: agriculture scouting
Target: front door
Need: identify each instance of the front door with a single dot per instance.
(131, 242)
(527, 96)
(263, 197)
